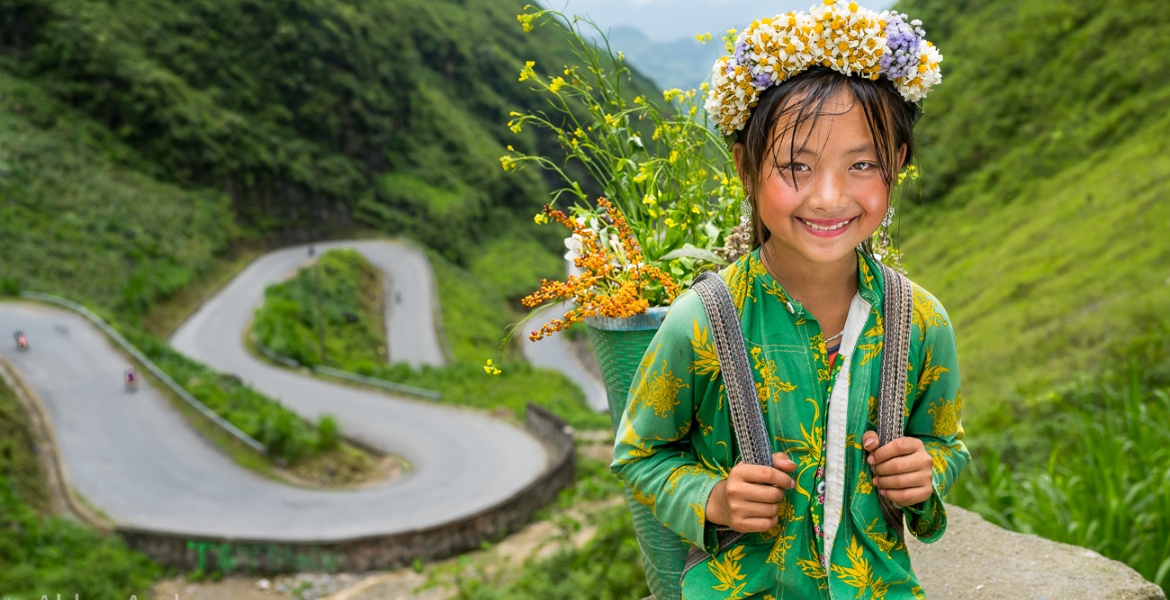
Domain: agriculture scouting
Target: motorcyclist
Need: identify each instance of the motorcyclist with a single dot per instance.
(21, 339)
(131, 378)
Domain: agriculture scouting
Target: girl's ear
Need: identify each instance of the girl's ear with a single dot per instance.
(901, 158)
(737, 152)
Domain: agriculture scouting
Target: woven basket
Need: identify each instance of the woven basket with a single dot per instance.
(619, 345)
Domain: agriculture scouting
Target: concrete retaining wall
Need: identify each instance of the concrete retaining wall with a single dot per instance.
(231, 555)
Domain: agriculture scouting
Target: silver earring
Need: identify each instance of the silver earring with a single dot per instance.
(881, 238)
(745, 210)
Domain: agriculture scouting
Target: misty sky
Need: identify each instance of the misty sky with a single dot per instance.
(667, 20)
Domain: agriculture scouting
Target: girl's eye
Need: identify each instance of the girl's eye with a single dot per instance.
(795, 167)
(864, 166)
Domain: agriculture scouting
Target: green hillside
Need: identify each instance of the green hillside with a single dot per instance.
(74, 220)
(1044, 219)
(309, 116)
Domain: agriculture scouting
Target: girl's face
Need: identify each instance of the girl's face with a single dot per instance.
(820, 202)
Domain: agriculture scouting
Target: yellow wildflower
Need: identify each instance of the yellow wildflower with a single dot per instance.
(540, 219)
(556, 84)
(526, 21)
(491, 369)
(527, 71)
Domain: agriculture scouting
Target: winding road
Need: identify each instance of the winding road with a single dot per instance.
(136, 460)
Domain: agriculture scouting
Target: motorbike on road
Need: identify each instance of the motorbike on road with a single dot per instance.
(131, 380)
(21, 341)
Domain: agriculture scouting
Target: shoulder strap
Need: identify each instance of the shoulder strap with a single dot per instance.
(746, 417)
(898, 314)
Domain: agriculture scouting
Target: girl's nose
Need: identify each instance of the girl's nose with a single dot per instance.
(829, 193)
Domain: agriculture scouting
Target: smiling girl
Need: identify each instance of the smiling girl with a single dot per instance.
(820, 109)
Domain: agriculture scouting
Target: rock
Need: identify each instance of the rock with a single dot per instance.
(264, 585)
(977, 559)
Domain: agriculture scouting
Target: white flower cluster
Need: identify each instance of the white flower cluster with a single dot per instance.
(846, 38)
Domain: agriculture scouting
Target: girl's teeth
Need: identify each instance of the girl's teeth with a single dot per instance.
(816, 227)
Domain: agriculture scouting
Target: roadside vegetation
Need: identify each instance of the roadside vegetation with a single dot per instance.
(351, 312)
(42, 554)
(606, 566)
(286, 436)
(1104, 483)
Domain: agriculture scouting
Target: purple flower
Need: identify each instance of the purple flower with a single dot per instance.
(902, 41)
(763, 81)
(741, 53)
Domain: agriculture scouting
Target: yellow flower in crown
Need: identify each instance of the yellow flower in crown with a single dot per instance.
(851, 40)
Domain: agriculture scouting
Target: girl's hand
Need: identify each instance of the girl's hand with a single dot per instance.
(749, 499)
(902, 469)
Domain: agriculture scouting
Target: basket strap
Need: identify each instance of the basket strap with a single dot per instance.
(746, 416)
(747, 420)
(898, 313)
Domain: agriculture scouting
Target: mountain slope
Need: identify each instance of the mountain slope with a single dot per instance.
(309, 115)
(1044, 222)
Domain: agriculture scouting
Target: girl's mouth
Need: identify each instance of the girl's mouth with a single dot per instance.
(826, 228)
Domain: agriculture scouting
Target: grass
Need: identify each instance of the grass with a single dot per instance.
(43, 554)
(608, 566)
(165, 315)
(1043, 214)
(481, 302)
(76, 221)
(474, 313)
(1040, 285)
(1106, 482)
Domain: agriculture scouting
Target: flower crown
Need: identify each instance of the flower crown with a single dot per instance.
(847, 39)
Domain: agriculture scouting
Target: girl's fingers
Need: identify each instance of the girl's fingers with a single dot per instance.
(753, 492)
(781, 461)
(762, 475)
(909, 497)
(903, 464)
(754, 525)
(754, 510)
(900, 447)
(901, 482)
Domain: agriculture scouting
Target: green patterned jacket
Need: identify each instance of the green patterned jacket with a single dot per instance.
(675, 440)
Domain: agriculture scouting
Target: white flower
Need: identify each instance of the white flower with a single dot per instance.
(576, 245)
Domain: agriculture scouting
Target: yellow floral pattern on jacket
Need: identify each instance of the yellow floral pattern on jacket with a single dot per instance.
(675, 440)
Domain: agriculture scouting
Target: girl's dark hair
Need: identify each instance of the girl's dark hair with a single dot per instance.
(891, 122)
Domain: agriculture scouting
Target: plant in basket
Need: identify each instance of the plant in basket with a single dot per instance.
(670, 208)
(670, 205)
